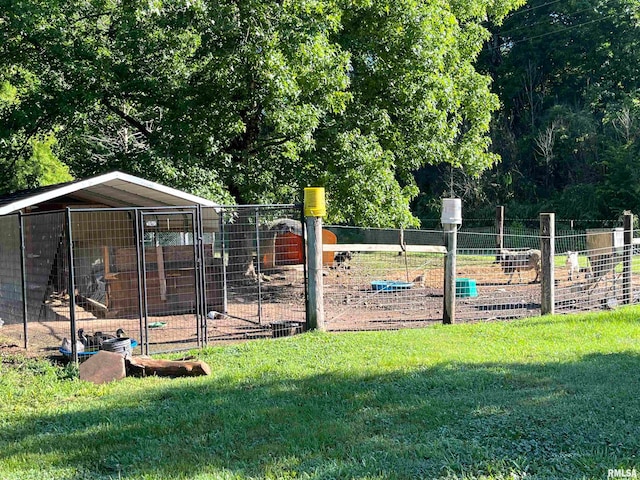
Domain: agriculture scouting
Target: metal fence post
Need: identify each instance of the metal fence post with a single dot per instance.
(23, 272)
(223, 253)
(142, 282)
(547, 249)
(627, 290)
(72, 288)
(202, 270)
(198, 274)
(258, 262)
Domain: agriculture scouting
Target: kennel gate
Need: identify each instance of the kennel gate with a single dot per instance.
(171, 279)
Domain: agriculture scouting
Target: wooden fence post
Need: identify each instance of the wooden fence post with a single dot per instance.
(450, 218)
(627, 290)
(500, 228)
(547, 248)
(314, 210)
(451, 242)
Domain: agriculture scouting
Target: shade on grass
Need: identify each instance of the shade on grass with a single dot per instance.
(551, 397)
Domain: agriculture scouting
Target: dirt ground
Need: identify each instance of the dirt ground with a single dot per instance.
(351, 304)
(282, 302)
(357, 305)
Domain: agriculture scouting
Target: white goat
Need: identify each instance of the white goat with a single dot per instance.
(573, 265)
(516, 261)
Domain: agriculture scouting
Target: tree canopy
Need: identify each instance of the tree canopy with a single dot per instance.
(568, 130)
(249, 101)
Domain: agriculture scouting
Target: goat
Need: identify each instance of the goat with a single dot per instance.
(516, 261)
(574, 267)
(573, 264)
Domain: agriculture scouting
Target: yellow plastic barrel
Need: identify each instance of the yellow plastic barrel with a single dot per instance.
(314, 203)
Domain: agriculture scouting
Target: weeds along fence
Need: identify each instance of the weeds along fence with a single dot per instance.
(169, 278)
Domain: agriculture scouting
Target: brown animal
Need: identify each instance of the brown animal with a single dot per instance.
(516, 261)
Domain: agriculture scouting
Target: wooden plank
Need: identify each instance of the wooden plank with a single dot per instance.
(548, 250)
(449, 298)
(375, 247)
(95, 305)
(161, 276)
(627, 260)
(500, 227)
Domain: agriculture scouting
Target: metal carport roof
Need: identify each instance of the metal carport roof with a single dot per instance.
(115, 189)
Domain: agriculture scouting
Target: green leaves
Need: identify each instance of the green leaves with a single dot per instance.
(564, 73)
(255, 99)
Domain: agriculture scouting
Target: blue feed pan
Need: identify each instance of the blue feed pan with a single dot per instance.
(390, 286)
(67, 353)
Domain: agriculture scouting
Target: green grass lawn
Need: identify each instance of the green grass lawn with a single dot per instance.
(552, 397)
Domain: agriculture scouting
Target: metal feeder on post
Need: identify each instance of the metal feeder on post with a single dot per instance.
(450, 218)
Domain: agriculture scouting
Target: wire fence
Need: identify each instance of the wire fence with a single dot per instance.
(490, 289)
(11, 286)
(179, 278)
(168, 279)
(384, 290)
(374, 290)
(259, 257)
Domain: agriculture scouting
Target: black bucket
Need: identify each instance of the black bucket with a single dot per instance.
(285, 328)
(118, 345)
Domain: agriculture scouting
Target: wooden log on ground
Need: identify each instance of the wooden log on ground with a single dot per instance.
(145, 366)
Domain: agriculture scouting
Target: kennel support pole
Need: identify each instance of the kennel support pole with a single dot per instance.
(23, 275)
(450, 219)
(202, 276)
(72, 288)
(548, 252)
(259, 257)
(314, 210)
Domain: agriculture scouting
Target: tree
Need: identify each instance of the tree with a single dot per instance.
(251, 101)
(29, 159)
(562, 68)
